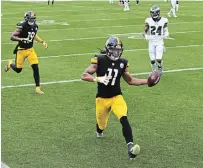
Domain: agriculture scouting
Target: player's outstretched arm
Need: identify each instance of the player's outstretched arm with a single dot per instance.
(88, 74)
(133, 81)
(37, 38)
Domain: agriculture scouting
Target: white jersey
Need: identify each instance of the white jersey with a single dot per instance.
(156, 30)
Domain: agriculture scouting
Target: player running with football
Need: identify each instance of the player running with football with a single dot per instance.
(109, 68)
(158, 31)
(25, 34)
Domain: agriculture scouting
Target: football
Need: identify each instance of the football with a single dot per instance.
(153, 78)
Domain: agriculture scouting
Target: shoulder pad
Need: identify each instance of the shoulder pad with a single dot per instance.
(166, 20)
(20, 25)
(147, 20)
(94, 60)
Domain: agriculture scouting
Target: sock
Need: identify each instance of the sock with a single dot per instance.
(17, 70)
(52, 2)
(36, 74)
(159, 62)
(153, 65)
(174, 12)
(177, 7)
(137, 1)
(126, 129)
(98, 129)
(48, 2)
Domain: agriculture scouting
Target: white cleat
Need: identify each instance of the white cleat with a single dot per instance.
(99, 135)
(169, 15)
(175, 16)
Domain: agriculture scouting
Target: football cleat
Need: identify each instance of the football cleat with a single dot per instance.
(38, 90)
(99, 135)
(133, 151)
(8, 65)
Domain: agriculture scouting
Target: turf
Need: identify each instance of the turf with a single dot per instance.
(57, 129)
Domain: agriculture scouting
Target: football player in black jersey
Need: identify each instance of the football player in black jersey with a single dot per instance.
(25, 34)
(109, 68)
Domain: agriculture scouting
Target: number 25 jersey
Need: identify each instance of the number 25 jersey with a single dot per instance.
(156, 30)
(27, 31)
(113, 69)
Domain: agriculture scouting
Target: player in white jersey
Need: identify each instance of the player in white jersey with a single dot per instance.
(158, 31)
(173, 8)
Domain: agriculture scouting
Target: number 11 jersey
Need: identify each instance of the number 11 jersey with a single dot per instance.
(113, 69)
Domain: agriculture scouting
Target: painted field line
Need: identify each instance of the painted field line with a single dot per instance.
(102, 37)
(129, 50)
(3, 165)
(78, 80)
(100, 27)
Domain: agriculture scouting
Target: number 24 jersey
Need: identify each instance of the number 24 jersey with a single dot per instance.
(156, 29)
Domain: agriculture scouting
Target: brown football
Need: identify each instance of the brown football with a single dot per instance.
(153, 78)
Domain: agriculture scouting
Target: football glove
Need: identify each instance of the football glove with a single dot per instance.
(45, 44)
(25, 40)
(102, 79)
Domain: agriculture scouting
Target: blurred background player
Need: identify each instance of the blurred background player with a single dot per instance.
(126, 5)
(158, 31)
(52, 2)
(177, 5)
(173, 8)
(25, 34)
(121, 2)
(137, 2)
(109, 68)
(110, 1)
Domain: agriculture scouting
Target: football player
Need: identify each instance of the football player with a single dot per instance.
(126, 5)
(25, 34)
(177, 5)
(173, 8)
(158, 31)
(109, 68)
(51, 2)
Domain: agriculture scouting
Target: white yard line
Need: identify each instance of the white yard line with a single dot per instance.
(100, 27)
(130, 50)
(77, 80)
(102, 37)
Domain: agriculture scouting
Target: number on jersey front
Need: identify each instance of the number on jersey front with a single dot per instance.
(156, 30)
(31, 36)
(114, 76)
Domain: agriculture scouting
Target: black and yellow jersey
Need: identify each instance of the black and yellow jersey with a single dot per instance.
(113, 69)
(29, 32)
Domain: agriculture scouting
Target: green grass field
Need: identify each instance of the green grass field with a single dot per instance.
(57, 129)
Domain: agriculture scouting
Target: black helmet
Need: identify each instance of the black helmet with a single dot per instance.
(114, 48)
(155, 12)
(30, 17)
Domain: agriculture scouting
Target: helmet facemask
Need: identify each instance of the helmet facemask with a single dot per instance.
(114, 48)
(30, 18)
(114, 53)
